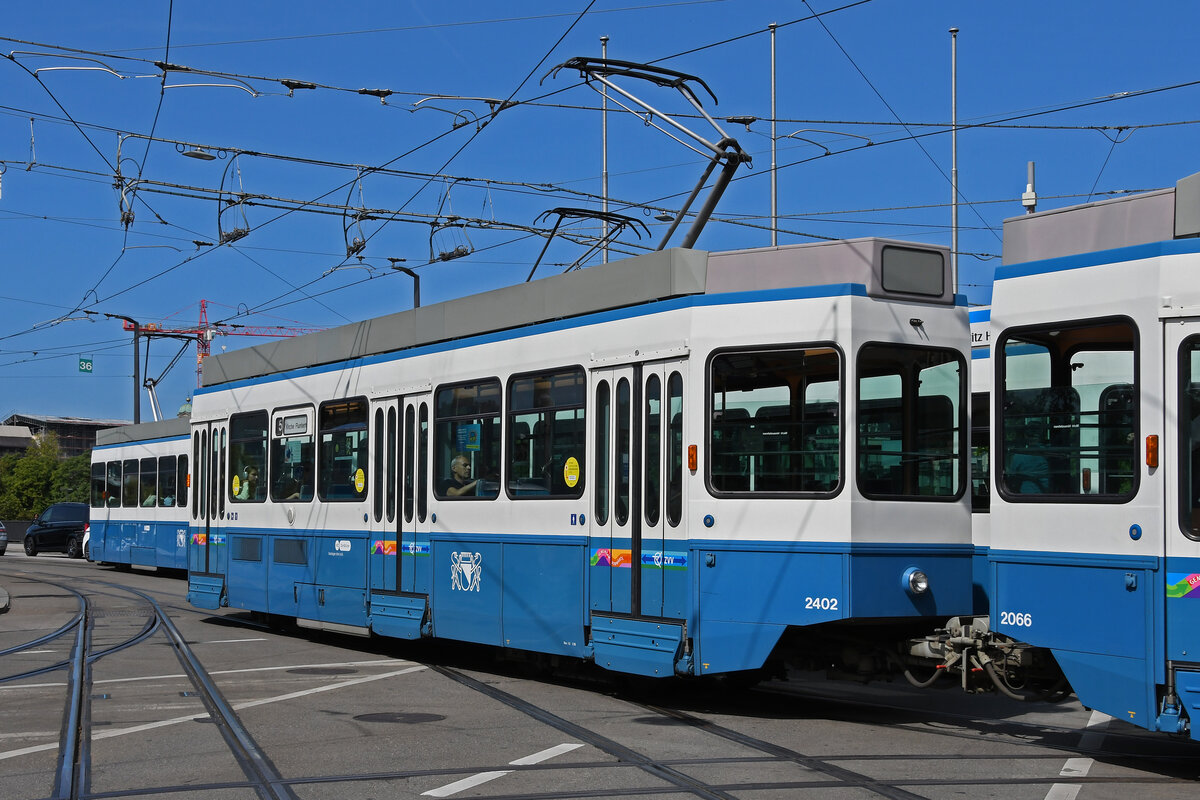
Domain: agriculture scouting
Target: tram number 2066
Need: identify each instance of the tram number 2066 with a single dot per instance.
(821, 603)
(1016, 619)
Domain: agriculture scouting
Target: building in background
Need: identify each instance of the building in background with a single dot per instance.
(76, 435)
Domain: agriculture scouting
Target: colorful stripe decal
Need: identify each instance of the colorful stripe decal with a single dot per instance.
(623, 559)
(606, 557)
(1183, 584)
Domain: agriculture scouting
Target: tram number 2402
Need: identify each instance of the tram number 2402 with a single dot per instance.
(821, 603)
(1016, 619)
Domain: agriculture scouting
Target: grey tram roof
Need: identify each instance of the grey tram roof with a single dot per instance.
(619, 284)
(162, 429)
(1158, 216)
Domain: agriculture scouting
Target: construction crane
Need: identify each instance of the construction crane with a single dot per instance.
(203, 333)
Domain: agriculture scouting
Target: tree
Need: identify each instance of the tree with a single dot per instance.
(72, 477)
(32, 481)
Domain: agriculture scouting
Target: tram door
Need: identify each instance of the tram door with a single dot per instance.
(1181, 523)
(633, 483)
(412, 513)
(399, 499)
(385, 523)
(662, 560)
(206, 549)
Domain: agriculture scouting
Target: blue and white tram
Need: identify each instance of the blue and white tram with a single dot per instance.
(139, 494)
(680, 463)
(1094, 526)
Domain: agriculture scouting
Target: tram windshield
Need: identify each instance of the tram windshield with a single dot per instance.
(911, 413)
(1189, 437)
(1068, 425)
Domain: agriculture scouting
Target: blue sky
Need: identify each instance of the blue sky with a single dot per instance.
(1098, 94)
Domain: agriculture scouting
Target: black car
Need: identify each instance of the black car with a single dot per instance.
(3, 539)
(60, 529)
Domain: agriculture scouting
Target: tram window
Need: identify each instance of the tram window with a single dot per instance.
(148, 493)
(466, 440)
(377, 467)
(1069, 412)
(652, 469)
(391, 464)
(199, 453)
(776, 421)
(603, 448)
(248, 457)
(168, 480)
(292, 455)
(911, 412)
(675, 449)
(980, 467)
(423, 463)
(623, 451)
(112, 485)
(410, 443)
(1189, 437)
(218, 501)
(343, 456)
(181, 483)
(129, 483)
(97, 484)
(546, 434)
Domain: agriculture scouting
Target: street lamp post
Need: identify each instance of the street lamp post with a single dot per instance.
(137, 382)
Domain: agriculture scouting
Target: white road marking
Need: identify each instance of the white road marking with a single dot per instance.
(1093, 736)
(217, 672)
(545, 755)
(231, 641)
(484, 777)
(28, 735)
(112, 733)
(465, 783)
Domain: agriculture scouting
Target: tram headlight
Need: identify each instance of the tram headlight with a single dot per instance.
(916, 582)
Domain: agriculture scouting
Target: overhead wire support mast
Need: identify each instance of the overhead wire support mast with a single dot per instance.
(726, 152)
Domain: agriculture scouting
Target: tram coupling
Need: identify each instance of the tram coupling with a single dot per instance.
(983, 661)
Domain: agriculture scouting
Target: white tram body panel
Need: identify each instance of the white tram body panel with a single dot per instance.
(669, 461)
(1095, 545)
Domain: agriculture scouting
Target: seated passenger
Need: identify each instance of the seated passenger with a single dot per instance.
(249, 490)
(459, 484)
(151, 499)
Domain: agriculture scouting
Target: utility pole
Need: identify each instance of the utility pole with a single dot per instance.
(954, 156)
(604, 152)
(774, 174)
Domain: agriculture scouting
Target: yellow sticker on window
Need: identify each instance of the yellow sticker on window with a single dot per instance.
(237, 485)
(571, 472)
(360, 480)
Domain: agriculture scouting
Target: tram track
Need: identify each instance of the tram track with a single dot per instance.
(72, 772)
(684, 706)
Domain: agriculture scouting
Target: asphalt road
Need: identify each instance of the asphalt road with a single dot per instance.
(319, 716)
